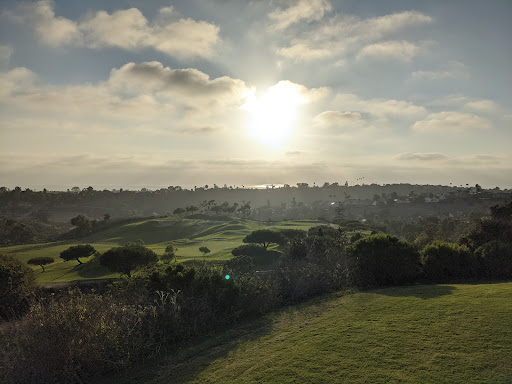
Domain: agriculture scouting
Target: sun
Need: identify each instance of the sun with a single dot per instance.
(272, 116)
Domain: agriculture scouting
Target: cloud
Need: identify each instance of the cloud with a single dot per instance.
(454, 69)
(451, 122)
(483, 106)
(380, 108)
(125, 29)
(185, 84)
(329, 119)
(303, 52)
(397, 50)
(408, 156)
(207, 130)
(345, 35)
(145, 97)
(307, 10)
(40, 15)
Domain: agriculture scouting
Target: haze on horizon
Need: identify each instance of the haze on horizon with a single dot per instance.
(157, 93)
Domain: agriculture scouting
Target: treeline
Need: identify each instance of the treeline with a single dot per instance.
(158, 308)
(46, 205)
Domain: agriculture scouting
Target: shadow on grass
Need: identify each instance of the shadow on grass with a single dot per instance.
(186, 365)
(424, 292)
(91, 269)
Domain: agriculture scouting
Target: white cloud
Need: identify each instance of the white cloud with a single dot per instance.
(483, 106)
(342, 35)
(40, 15)
(126, 29)
(134, 97)
(380, 108)
(408, 156)
(454, 69)
(308, 10)
(329, 119)
(398, 50)
(302, 52)
(451, 121)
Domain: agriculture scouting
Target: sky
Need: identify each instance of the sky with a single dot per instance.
(156, 93)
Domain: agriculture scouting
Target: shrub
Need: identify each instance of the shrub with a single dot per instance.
(292, 234)
(380, 260)
(322, 230)
(204, 250)
(252, 250)
(17, 287)
(241, 265)
(260, 256)
(312, 266)
(88, 335)
(443, 261)
(495, 260)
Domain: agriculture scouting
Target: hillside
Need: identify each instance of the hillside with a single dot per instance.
(418, 334)
(186, 235)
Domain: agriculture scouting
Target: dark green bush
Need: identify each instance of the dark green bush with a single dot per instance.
(380, 260)
(495, 260)
(312, 266)
(241, 265)
(80, 337)
(260, 256)
(291, 234)
(17, 287)
(443, 261)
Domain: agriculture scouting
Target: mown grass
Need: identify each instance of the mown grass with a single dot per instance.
(186, 235)
(418, 334)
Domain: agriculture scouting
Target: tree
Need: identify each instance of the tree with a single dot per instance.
(265, 237)
(41, 261)
(76, 252)
(169, 253)
(204, 250)
(17, 286)
(82, 223)
(125, 259)
(178, 211)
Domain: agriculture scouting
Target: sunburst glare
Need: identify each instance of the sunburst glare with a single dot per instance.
(272, 116)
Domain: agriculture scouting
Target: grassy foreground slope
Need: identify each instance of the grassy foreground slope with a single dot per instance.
(419, 334)
(186, 235)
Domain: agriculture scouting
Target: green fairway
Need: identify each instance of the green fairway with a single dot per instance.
(419, 334)
(186, 235)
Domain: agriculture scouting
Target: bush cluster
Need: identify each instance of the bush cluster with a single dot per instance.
(17, 286)
(380, 260)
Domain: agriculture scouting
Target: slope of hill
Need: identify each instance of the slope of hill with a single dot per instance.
(186, 235)
(417, 334)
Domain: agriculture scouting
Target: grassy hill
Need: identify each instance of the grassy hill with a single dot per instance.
(418, 334)
(186, 235)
